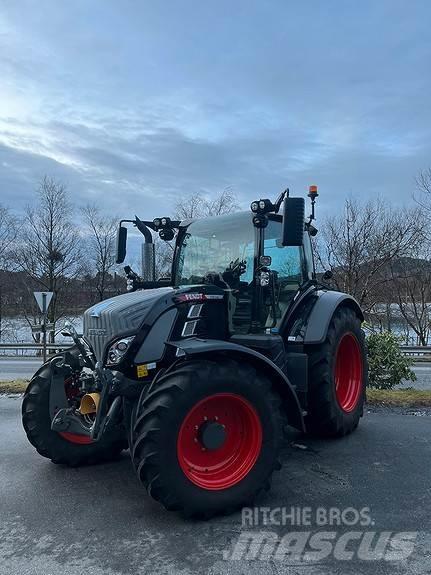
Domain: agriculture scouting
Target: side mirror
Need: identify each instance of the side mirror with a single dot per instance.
(121, 244)
(327, 275)
(293, 222)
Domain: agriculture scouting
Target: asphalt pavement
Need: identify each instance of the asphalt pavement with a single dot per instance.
(18, 368)
(98, 520)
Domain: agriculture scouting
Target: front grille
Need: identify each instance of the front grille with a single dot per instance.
(116, 316)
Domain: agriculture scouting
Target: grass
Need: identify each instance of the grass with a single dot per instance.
(408, 397)
(16, 386)
(384, 397)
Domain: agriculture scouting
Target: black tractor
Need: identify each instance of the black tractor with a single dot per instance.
(198, 374)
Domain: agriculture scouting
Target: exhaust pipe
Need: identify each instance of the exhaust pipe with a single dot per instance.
(148, 262)
(89, 403)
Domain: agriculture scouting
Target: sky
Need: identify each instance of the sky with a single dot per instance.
(133, 104)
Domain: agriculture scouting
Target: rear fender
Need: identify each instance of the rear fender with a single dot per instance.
(193, 347)
(322, 312)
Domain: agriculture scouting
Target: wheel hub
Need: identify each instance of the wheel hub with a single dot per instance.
(219, 441)
(212, 435)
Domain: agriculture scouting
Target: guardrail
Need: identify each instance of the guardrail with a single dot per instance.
(35, 349)
(419, 353)
(416, 352)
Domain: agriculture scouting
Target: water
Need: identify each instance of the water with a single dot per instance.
(17, 330)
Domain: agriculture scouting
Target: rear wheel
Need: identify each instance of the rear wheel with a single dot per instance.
(67, 448)
(207, 439)
(337, 377)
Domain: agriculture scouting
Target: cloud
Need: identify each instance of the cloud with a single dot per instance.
(136, 105)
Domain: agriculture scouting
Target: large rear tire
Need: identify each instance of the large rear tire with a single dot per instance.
(338, 372)
(207, 439)
(62, 448)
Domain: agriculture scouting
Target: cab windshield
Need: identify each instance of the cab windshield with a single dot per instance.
(211, 245)
(220, 251)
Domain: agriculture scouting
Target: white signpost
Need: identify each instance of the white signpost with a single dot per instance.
(43, 299)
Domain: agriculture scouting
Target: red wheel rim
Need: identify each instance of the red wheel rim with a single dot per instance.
(73, 437)
(76, 438)
(226, 465)
(348, 372)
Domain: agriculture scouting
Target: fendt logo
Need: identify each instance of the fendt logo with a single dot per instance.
(96, 331)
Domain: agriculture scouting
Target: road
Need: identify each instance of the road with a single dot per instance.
(423, 374)
(18, 368)
(98, 520)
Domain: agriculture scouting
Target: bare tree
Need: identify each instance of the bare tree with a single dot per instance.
(49, 250)
(198, 205)
(8, 233)
(188, 206)
(101, 233)
(411, 284)
(423, 182)
(358, 246)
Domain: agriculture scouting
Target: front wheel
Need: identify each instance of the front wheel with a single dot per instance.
(338, 372)
(207, 440)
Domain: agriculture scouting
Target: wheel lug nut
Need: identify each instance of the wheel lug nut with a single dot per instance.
(205, 418)
(195, 439)
(216, 418)
(203, 449)
(196, 427)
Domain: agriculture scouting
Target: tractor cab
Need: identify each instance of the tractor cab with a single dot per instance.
(225, 251)
(260, 259)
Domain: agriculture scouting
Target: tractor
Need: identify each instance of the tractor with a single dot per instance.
(198, 374)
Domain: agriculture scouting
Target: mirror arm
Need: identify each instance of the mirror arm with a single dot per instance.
(279, 200)
(273, 302)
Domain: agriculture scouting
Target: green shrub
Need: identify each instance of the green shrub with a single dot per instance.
(387, 365)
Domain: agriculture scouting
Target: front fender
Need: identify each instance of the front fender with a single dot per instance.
(208, 347)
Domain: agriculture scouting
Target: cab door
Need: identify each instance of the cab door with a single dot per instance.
(288, 265)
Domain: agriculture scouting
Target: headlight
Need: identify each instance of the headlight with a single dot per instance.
(118, 349)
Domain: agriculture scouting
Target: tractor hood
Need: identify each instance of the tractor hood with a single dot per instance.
(117, 316)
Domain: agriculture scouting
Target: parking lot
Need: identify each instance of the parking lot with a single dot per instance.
(98, 520)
